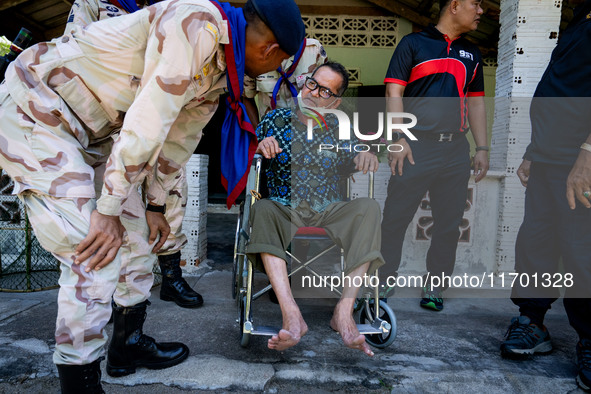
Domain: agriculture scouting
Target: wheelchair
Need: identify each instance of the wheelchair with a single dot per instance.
(375, 318)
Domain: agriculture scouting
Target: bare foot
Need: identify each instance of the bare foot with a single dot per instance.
(342, 322)
(294, 328)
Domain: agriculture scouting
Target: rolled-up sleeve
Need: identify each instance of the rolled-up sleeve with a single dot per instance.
(181, 41)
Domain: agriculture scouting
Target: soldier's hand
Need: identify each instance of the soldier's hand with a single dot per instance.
(523, 172)
(480, 165)
(396, 159)
(104, 239)
(269, 148)
(366, 161)
(158, 226)
(578, 183)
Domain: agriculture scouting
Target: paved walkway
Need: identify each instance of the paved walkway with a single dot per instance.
(455, 350)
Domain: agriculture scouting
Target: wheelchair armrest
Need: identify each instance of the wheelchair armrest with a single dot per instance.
(370, 185)
(253, 183)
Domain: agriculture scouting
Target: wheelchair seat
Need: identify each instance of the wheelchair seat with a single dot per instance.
(311, 233)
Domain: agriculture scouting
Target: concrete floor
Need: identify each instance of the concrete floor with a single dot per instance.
(455, 350)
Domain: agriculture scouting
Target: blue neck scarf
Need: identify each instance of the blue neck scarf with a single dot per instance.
(284, 77)
(239, 139)
(129, 5)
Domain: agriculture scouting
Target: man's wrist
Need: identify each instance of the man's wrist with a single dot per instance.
(109, 205)
(156, 208)
(397, 136)
(482, 148)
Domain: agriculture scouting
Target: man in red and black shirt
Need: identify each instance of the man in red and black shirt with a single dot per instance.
(439, 74)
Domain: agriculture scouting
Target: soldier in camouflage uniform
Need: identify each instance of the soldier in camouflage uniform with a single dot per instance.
(174, 287)
(154, 78)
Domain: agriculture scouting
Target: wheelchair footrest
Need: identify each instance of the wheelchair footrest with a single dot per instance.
(378, 327)
(264, 330)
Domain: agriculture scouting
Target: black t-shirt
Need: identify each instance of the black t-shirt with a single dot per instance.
(560, 111)
(433, 67)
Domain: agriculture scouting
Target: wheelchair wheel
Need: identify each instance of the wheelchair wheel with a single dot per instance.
(244, 337)
(237, 262)
(366, 316)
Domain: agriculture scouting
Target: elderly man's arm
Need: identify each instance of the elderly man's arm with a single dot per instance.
(366, 161)
(269, 148)
(268, 145)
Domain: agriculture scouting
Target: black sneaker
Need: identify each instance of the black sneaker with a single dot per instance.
(524, 338)
(584, 364)
(432, 299)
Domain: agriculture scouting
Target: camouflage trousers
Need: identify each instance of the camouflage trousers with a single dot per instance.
(60, 223)
(84, 298)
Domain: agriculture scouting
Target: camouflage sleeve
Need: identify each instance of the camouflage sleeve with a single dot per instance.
(250, 89)
(314, 55)
(319, 52)
(181, 41)
(82, 13)
(181, 142)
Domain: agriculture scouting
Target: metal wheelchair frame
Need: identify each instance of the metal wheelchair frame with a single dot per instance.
(377, 324)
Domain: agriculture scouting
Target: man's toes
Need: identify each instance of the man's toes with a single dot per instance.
(363, 346)
(272, 342)
(357, 343)
(366, 349)
(286, 340)
(287, 336)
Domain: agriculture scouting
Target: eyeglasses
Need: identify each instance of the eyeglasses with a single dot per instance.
(324, 92)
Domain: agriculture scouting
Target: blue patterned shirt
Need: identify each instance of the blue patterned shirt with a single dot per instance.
(301, 172)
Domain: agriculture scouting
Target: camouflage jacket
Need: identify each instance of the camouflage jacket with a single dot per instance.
(314, 55)
(154, 75)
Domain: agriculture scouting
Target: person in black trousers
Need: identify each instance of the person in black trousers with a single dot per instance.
(556, 171)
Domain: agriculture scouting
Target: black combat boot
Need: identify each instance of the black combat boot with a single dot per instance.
(76, 379)
(174, 287)
(131, 348)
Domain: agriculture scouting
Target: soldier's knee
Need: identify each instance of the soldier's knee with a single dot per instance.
(57, 223)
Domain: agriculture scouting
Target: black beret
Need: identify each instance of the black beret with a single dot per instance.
(285, 21)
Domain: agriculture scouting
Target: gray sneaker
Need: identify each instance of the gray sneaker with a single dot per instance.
(584, 364)
(523, 338)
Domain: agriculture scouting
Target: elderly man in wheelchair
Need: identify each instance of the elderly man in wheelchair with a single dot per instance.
(303, 192)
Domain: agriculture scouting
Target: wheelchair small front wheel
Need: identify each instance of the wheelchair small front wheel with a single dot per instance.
(244, 336)
(367, 316)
